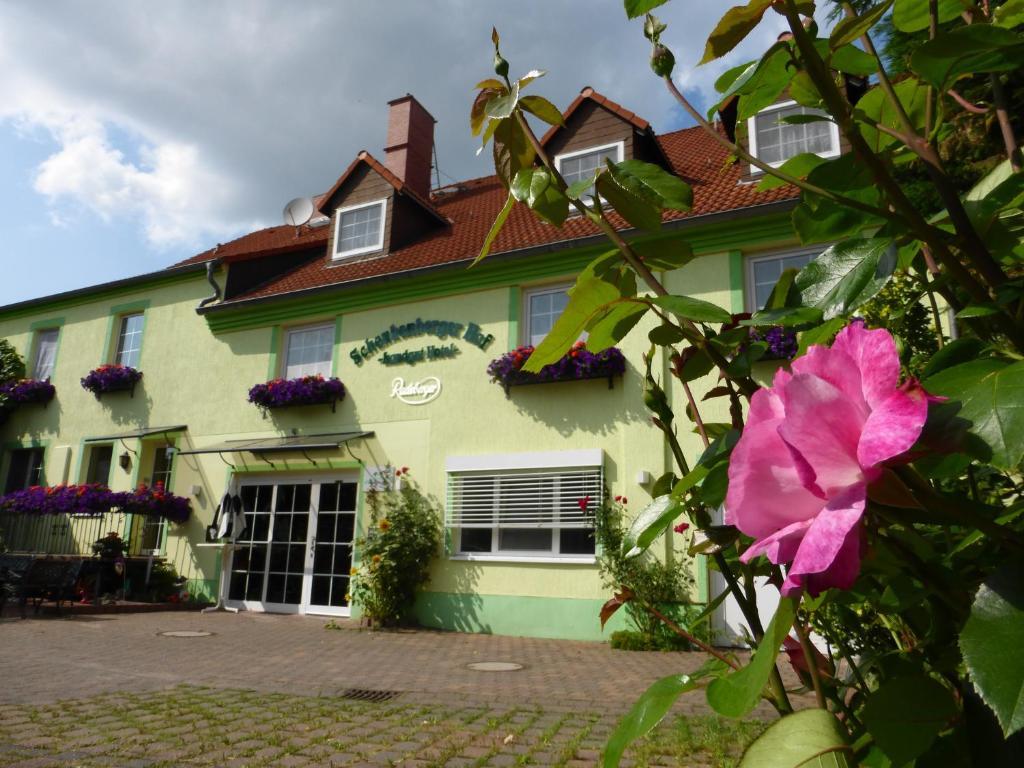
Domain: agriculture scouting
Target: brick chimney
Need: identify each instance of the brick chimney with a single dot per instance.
(410, 143)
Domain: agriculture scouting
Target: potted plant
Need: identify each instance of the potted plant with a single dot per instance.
(25, 391)
(153, 501)
(307, 390)
(578, 363)
(112, 378)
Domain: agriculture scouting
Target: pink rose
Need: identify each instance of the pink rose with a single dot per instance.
(813, 443)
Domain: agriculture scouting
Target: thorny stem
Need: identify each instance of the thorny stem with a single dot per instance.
(696, 415)
(812, 662)
(933, 29)
(1009, 139)
(690, 638)
(936, 316)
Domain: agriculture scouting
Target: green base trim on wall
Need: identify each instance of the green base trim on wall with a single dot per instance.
(202, 590)
(515, 615)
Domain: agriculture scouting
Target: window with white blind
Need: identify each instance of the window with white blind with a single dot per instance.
(45, 354)
(359, 228)
(308, 352)
(525, 506)
(575, 166)
(775, 141)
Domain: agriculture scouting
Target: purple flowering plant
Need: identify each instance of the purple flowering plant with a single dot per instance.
(96, 499)
(111, 378)
(24, 391)
(782, 343)
(578, 363)
(307, 390)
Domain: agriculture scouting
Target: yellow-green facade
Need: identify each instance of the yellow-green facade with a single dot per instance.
(198, 369)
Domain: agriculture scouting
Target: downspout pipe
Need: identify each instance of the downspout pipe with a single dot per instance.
(211, 267)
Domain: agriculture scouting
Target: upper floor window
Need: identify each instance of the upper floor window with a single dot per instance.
(45, 353)
(774, 141)
(129, 340)
(309, 351)
(359, 228)
(543, 307)
(25, 469)
(575, 166)
(764, 271)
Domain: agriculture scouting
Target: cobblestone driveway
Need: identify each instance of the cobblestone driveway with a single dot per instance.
(268, 690)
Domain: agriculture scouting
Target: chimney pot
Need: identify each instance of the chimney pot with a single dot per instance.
(408, 151)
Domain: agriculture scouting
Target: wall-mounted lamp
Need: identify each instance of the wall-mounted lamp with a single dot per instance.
(125, 461)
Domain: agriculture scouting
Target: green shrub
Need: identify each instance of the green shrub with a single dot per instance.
(631, 640)
(404, 536)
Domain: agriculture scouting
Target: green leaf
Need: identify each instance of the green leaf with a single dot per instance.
(803, 90)
(991, 394)
(664, 189)
(1001, 188)
(765, 84)
(789, 317)
(846, 275)
(650, 524)
(821, 335)
(819, 220)
(912, 15)
(852, 28)
(542, 108)
(499, 222)
(664, 254)
(665, 335)
(812, 738)
(529, 77)
(906, 714)
(1010, 14)
(991, 642)
(611, 326)
(512, 151)
(652, 707)
(954, 353)
(853, 61)
(478, 112)
(735, 25)
(636, 8)
(784, 292)
(635, 209)
(798, 166)
(875, 105)
(589, 296)
(977, 310)
(738, 693)
(575, 190)
(503, 105)
(692, 309)
(536, 188)
(967, 50)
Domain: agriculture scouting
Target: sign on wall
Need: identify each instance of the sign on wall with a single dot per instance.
(416, 392)
(443, 330)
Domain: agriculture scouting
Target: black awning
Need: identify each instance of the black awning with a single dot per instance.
(143, 432)
(279, 444)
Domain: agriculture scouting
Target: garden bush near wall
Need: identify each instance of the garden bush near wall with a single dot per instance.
(12, 368)
(886, 509)
(403, 536)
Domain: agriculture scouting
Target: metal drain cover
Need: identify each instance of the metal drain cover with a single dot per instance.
(360, 694)
(495, 666)
(185, 633)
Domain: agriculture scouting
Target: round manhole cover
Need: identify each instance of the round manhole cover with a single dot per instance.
(185, 633)
(495, 666)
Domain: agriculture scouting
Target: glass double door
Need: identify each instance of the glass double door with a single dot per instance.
(295, 554)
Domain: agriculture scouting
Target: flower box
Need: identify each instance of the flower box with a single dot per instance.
(25, 391)
(578, 364)
(94, 499)
(308, 390)
(112, 378)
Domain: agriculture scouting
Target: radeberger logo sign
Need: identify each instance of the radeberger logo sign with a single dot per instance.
(417, 392)
(444, 330)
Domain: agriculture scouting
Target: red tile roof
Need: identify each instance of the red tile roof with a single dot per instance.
(589, 93)
(389, 177)
(472, 206)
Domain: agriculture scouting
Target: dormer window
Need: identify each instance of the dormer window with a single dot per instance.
(581, 164)
(359, 229)
(775, 142)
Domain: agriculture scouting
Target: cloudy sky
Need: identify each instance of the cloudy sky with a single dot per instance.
(135, 134)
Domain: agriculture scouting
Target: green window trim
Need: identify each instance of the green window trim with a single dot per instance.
(48, 324)
(114, 316)
(515, 302)
(16, 445)
(275, 351)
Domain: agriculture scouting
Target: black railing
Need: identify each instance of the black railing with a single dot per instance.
(57, 534)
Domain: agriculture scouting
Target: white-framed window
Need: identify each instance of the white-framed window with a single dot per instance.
(531, 506)
(541, 308)
(774, 142)
(359, 228)
(764, 271)
(582, 163)
(44, 356)
(129, 340)
(309, 351)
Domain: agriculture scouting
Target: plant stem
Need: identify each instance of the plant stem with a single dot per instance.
(1005, 127)
(696, 415)
(812, 662)
(690, 638)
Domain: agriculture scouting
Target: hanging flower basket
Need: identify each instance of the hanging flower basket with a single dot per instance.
(95, 499)
(26, 391)
(579, 363)
(308, 390)
(112, 378)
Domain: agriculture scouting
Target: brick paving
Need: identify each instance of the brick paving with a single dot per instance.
(269, 690)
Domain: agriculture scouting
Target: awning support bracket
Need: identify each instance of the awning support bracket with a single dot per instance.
(220, 455)
(259, 455)
(310, 459)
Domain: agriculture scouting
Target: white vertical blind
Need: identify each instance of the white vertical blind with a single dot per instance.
(46, 354)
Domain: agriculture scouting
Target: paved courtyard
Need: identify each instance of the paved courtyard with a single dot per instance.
(277, 690)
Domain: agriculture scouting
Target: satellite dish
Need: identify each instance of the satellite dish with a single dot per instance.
(298, 211)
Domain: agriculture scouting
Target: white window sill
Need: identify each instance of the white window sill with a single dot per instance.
(500, 558)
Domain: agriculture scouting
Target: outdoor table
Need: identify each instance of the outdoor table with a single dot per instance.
(225, 546)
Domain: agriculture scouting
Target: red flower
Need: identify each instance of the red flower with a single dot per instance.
(584, 503)
(681, 528)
